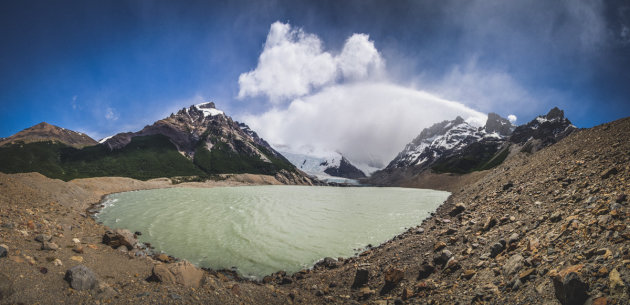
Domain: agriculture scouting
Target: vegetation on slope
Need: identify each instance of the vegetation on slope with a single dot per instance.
(144, 158)
(222, 159)
(476, 157)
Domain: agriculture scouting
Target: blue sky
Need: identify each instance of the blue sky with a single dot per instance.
(104, 67)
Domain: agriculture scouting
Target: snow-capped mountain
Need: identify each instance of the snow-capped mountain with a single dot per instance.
(324, 165)
(458, 147)
(448, 138)
(544, 130)
(214, 142)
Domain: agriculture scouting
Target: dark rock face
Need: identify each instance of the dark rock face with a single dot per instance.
(548, 129)
(496, 123)
(360, 278)
(345, 170)
(569, 288)
(81, 278)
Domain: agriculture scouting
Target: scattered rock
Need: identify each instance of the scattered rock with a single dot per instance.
(163, 258)
(426, 269)
(468, 273)
(77, 249)
(365, 293)
(513, 264)
(616, 283)
(393, 276)
(439, 246)
(360, 278)
(490, 222)
(120, 237)
(555, 217)
(496, 249)
(183, 273)
(609, 172)
(621, 198)
(514, 238)
(43, 238)
(49, 246)
(459, 207)
(452, 264)
(443, 257)
(81, 278)
(524, 275)
(57, 262)
(507, 186)
(77, 258)
(4, 250)
(76, 241)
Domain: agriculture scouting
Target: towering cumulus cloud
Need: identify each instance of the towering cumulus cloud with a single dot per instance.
(338, 101)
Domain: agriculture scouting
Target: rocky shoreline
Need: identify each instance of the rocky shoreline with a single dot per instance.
(543, 228)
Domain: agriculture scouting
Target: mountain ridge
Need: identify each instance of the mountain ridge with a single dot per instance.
(48, 132)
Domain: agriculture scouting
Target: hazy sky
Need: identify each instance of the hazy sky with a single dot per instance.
(362, 77)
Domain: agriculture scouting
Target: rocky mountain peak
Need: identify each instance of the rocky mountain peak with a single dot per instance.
(47, 132)
(544, 130)
(498, 124)
(555, 113)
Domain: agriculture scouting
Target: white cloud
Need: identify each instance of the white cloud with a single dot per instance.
(111, 114)
(511, 118)
(343, 103)
(293, 63)
(368, 122)
(359, 58)
(488, 90)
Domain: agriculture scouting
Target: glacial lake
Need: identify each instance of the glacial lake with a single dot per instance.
(264, 229)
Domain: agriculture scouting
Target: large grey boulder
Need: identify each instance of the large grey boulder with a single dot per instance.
(81, 278)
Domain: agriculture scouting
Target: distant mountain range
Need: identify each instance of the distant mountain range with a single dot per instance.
(458, 147)
(198, 141)
(202, 141)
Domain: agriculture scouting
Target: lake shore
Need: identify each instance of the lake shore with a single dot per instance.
(525, 232)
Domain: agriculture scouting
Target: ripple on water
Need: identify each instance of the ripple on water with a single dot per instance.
(263, 229)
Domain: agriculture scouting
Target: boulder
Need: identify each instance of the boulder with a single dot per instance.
(328, 263)
(459, 207)
(81, 278)
(120, 237)
(183, 273)
(568, 286)
(513, 264)
(360, 278)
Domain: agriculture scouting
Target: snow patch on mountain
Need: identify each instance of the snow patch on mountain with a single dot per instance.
(208, 109)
